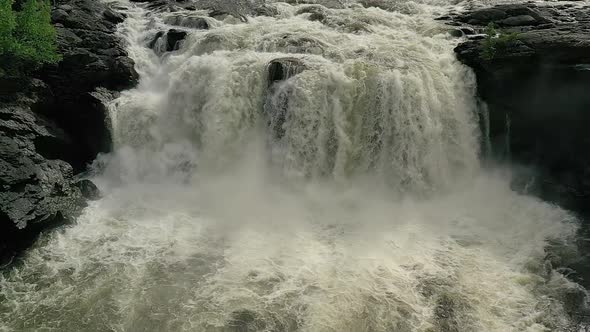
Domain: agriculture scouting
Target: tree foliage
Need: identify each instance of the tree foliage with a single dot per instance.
(27, 38)
(496, 42)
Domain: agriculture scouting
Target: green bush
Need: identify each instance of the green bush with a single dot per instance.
(496, 42)
(27, 38)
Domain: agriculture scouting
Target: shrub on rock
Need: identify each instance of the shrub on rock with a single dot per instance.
(27, 38)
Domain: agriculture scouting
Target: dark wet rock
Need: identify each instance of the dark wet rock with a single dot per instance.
(93, 57)
(283, 69)
(183, 20)
(52, 126)
(457, 33)
(468, 31)
(519, 20)
(174, 38)
(506, 15)
(536, 89)
(266, 10)
(88, 189)
(36, 188)
(155, 43)
(167, 41)
(113, 16)
(484, 16)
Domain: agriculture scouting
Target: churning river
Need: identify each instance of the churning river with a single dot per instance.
(345, 194)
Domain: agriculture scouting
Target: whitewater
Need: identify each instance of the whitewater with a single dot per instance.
(346, 195)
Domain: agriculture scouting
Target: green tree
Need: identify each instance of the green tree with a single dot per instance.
(27, 38)
(496, 42)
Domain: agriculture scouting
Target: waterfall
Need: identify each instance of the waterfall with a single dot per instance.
(314, 168)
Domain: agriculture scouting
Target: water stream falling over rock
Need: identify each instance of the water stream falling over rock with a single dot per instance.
(298, 167)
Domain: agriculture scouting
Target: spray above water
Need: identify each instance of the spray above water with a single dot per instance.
(314, 169)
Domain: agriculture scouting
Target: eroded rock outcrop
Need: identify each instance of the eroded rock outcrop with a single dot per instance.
(93, 57)
(54, 125)
(536, 86)
(37, 190)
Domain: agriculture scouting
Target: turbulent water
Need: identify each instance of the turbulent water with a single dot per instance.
(347, 196)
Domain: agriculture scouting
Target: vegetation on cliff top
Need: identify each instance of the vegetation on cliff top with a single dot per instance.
(496, 42)
(27, 38)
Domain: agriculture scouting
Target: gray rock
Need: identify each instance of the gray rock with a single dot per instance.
(174, 39)
(88, 189)
(52, 127)
(113, 16)
(519, 20)
(485, 16)
(59, 15)
(468, 31)
(167, 41)
(93, 56)
(36, 188)
(188, 21)
(457, 33)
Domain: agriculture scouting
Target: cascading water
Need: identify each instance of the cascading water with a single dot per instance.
(312, 170)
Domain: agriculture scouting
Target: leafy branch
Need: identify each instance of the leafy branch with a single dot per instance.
(27, 38)
(496, 42)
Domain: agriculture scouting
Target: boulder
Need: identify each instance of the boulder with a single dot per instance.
(505, 15)
(174, 38)
(88, 189)
(167, 42)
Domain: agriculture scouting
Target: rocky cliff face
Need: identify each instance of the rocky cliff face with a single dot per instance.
(37, 190)
(53, 125)
(537, 89)
(93, 57)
